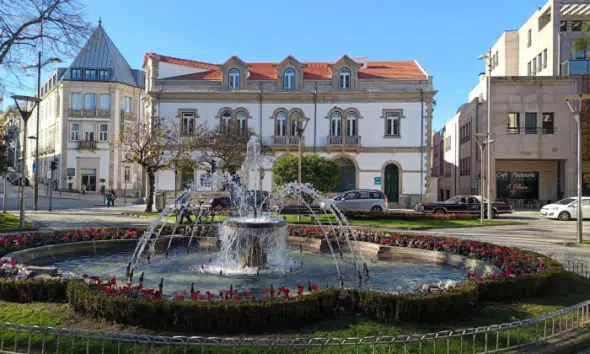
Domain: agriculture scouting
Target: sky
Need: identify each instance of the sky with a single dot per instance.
(445, 37)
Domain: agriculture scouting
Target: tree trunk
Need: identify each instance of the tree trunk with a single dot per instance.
(151, 190)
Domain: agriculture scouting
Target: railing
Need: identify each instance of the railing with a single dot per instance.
(285, 141)
(87, 145)
(75, 113)
(129, 116)
(344, 141)
(89, 113)
(575, 67)
(531, 130)
(103, 113)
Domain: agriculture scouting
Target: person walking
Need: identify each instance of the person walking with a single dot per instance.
(184, 200)
(84, 189)
(111, 196)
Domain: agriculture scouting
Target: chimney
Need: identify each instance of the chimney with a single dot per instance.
(364, 61)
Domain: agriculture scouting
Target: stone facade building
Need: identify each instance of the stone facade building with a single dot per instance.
(372, 118)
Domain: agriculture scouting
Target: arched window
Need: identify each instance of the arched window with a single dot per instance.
(294, 123)
(226, 120)
(242, 120)
(289, 79)
(351, 124)
(344, 78)
(281, 124)
(234, 79)
(336, 124)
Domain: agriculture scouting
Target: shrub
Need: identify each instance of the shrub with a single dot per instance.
(33, 290)
(317, 170)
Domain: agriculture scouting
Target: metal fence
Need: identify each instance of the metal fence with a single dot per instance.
(16, 338)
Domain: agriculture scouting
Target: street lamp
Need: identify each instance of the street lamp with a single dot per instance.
(482, 139)
(577, 99)
(488, 58)
(39, 66)
(300, 128)
(25, 105)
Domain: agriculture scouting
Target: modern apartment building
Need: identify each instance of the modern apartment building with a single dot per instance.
(82, 108)
(372, 117)
(533, 152)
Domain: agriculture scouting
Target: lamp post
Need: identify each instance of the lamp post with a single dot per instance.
(25, 105)
(301, 125)
(482, 139)
(39, 66)
(577, 99)
(488, 58)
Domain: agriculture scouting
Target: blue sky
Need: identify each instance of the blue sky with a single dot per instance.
(446, 37)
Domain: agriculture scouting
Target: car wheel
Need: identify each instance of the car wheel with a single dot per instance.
(439, 211)
(376, 209)
(564, 216)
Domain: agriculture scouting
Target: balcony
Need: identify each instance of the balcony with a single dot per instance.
(75, 113)
(103, 113)
(344, 143)
(89, 113)
(531, 130)
(286, 142)
(129, 116)
(575, 67)
(87, 145)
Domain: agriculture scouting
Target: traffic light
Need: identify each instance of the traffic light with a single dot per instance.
(213, 166)
(53, 165)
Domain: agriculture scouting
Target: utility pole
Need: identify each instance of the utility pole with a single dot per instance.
(489, 94)
(36, 202)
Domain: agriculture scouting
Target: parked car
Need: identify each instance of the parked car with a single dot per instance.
(360, 200)
(219, 203)
(566, 209)
(251, 198)
(464, 204)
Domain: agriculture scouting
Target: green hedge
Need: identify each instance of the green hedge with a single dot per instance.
(229, 317)
(33, 290)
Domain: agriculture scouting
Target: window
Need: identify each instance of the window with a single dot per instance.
(548, 123)
(576, 26)
(336, 124)
(513, 123)
(529, 70)
(351, 124)
(497, 59)
(127, 174)
(128, 104)
(188, 122)
(294, 123)
(103, 75)
(105, 102)
(465, 133)
(530, 123)
(534, 66)
(89, 101)
(226, 120)
(540, 61)
(392, 123)
(465, 166)
(581, 54)
(89, 131)
(289, 79)
(563, 26)
(234, 79)
(448, 143)
(242, 121)
(281, 124)
(447, 169)
(344, 78)
(89, 74)
(76, 74)
(103, 132)
(529, 38)
(75, 132)
(205, 180)
(545, 57)
(76, 101)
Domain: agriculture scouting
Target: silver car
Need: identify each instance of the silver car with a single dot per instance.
(360, 200)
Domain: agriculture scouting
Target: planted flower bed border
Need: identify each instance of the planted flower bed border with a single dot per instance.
(406, 216)
(524, 274)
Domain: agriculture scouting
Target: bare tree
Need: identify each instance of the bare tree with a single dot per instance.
(160, 144)
(58, 25)
(227, 145)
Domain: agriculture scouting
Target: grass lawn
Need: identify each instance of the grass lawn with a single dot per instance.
(60, 315)
(11, 223)
(392, 223)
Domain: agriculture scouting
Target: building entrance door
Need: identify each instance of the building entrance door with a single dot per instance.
(392, 183)
(89, 179)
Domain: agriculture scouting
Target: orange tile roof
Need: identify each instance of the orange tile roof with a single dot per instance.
(311, 70)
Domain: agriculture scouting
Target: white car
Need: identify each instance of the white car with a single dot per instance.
(566, 209)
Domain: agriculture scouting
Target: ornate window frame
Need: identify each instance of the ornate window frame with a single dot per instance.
(345, 62)
(343, 114)
(290, 63)
(384, 117)
(238, 64)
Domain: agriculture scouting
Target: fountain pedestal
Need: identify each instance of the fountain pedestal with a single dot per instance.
(254, 255)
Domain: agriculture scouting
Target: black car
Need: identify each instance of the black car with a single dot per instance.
(463, 204)
(220, 203)
(251, 198)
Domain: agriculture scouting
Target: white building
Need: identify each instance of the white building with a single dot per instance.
(81, 110)
(373, 118)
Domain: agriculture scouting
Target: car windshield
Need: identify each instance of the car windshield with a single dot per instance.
(455, 199)
(565, 201)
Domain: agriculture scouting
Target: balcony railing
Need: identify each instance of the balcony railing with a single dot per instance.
(531, 130)
(75, 113)
(575, 67)
(285, 141)
(89, 113)
(103, 113)
(87, 145)
(129, 116)
(344, 141)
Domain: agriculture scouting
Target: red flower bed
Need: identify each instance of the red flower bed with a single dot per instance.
(512, 261)
(17, 242)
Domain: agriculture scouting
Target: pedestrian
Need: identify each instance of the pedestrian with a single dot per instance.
(184, 201)
(83, 189)
(110, 197)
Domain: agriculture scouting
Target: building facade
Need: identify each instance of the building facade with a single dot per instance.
(82, 109)
(372, 118)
